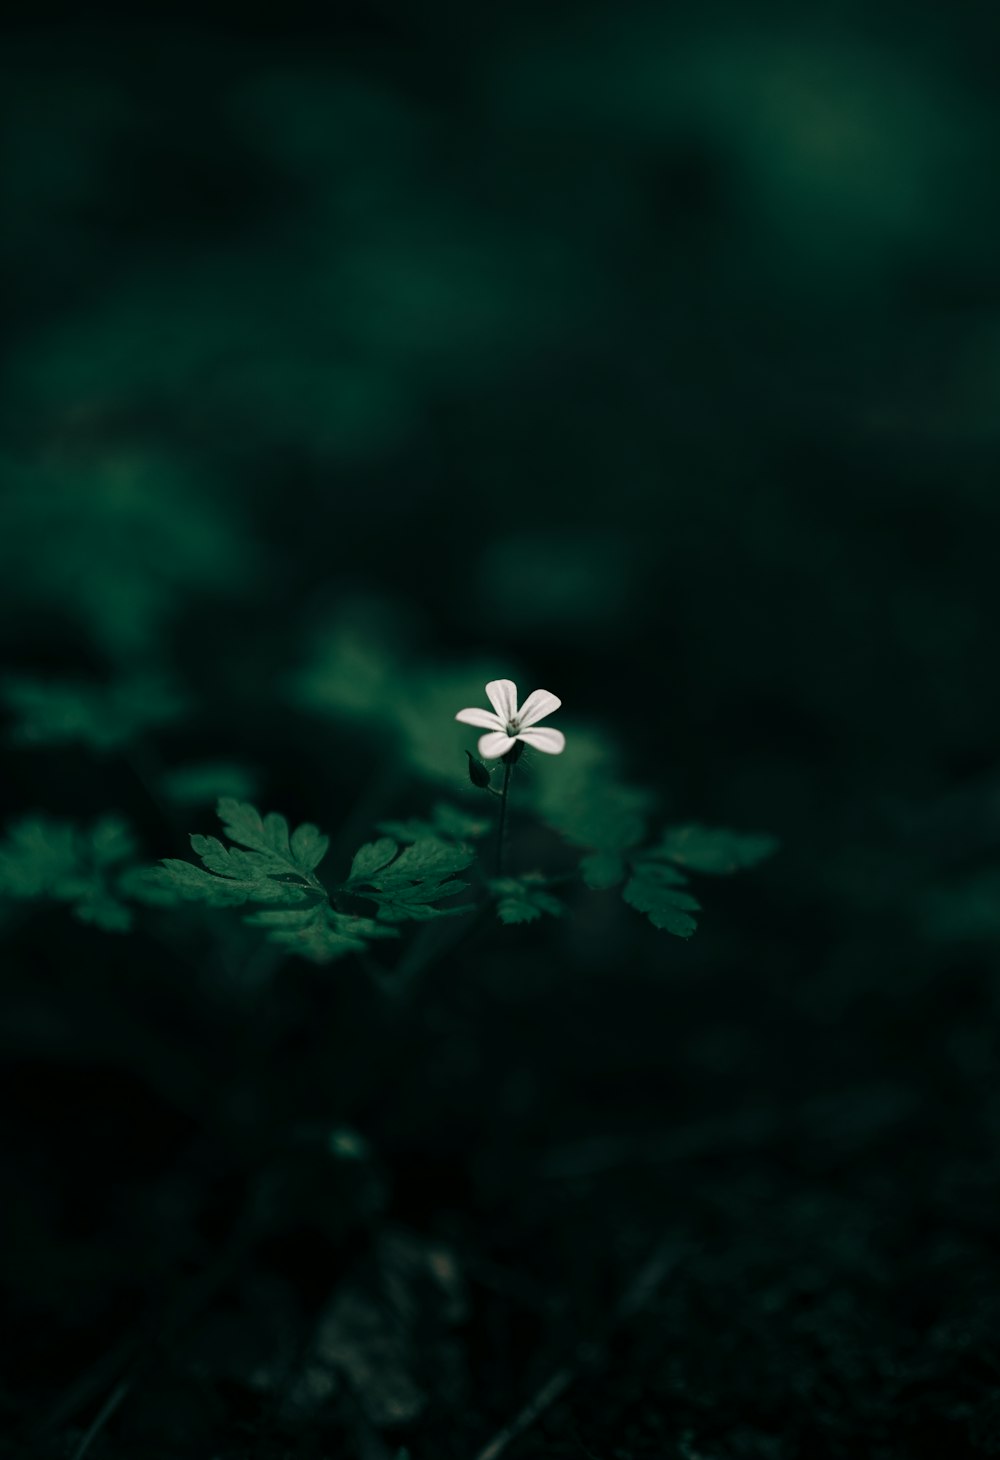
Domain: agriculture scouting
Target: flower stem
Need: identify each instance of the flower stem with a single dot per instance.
(507, 768)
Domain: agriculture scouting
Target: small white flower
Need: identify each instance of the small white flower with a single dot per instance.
(509, 723)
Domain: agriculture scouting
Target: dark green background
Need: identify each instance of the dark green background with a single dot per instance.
(650, 356)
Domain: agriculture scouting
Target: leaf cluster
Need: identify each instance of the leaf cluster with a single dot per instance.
(656, 878)
(271, 869)
(409, 884)
(267, 864)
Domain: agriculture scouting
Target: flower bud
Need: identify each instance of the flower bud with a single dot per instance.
(478, 774)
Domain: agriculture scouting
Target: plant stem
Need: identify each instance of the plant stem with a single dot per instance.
(507, 768)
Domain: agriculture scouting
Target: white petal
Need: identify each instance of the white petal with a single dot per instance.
(492, 747)
(551, 741)
(502, 695)
(540, 702)
(485, 719)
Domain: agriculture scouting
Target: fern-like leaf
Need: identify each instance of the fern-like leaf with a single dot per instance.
(408, 885)
(268, 865)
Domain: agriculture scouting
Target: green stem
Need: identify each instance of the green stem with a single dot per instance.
(507, 768)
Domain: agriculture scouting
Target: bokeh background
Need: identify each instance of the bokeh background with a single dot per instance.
(651, 356)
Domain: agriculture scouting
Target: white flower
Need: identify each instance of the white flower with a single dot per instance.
(509, 723)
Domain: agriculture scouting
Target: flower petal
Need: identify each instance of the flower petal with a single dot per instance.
(485, 719)
(551, 741)
(492, 747)
(502, 695)
(540, 702)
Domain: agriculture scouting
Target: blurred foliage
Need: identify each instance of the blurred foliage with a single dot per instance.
(202, 783)
(113, 543)
(524, 899)
(447, 822)
(43, 857)
(409, 884)
(104, 717)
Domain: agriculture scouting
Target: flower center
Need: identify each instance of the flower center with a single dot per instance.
(512, 727)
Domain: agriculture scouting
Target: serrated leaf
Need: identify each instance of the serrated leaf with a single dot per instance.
(714, 850)
(524, 899)
(196, 884)
(276, 869)
(371, 857)
(268, 866)
(309, 846)
(266, 835)
(425, 860)
(602, 870)
(409, 886)
(661, 899)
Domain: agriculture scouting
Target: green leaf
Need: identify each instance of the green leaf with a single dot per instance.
(369, 858)
(220, 889)
(103, 716)
(524, 899)
(318, 933)
(656, 891)
(602, 870)
(308, 846)
(428, 859)
(276, 868)
(46, 858)
(267, 866)
(409, 886)
(267, 836)
(714, 850)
